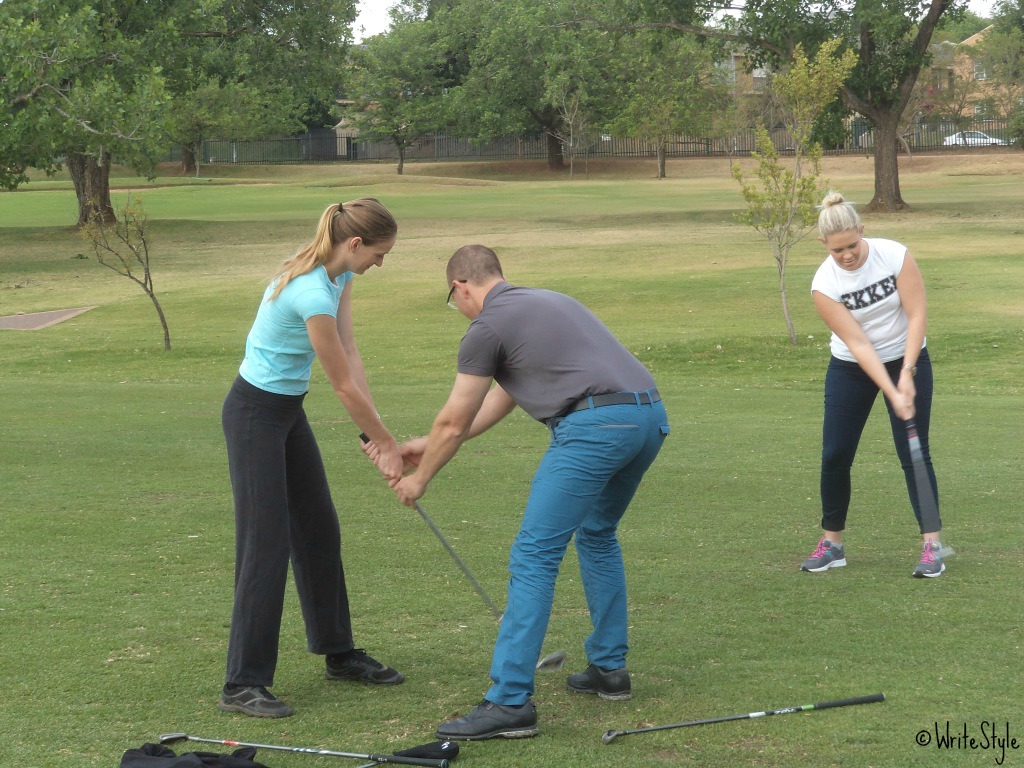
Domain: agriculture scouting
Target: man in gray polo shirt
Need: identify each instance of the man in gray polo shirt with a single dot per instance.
(551, 356)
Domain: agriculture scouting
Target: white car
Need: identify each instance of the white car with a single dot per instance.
(973, 139)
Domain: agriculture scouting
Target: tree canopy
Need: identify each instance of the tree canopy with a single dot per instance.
(87, 83)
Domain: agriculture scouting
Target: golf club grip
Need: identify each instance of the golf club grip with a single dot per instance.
(851, 702)
(430, 762)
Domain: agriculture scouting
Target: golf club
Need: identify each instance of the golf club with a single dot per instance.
(167, 738)
(925, 496)
(458, 560)
(550, 663)
(610, 736)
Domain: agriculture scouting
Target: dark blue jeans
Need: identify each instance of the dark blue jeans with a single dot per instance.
(849, 396)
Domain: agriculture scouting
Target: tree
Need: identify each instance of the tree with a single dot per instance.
(890, 37)
(891, 40)
(226, 110)
(667, 85)
(1001, 53)
(782, 206)
(80, 84)
(1008, 14)
(98, 83)
(397, 84)
(950, 91)
(123, 246)
(577, 83)
(511, 60)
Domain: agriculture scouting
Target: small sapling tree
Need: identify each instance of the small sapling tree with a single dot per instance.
(123, 246)
(781, 203)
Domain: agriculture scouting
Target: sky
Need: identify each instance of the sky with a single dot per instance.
(373, 15)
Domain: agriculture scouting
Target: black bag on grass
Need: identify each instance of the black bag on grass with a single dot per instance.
(159, 756)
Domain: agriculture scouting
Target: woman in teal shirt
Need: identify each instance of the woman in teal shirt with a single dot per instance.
(283, 506)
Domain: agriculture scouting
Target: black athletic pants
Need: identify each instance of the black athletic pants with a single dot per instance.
(283, 510)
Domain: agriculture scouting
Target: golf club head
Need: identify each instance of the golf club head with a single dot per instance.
(609, 737)
(167, 738)
(552, 662)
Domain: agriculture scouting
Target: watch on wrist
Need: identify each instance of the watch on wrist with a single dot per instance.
(911, 368)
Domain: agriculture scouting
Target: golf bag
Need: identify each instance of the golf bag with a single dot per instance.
(159, 756)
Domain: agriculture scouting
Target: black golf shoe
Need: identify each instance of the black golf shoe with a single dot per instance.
(252, 700)
(610, 684)
(358, 665)
(490, 720)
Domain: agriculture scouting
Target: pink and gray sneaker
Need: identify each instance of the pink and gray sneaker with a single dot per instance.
(931, 564)
(826, 555)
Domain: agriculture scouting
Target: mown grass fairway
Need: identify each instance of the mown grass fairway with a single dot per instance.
(116, 533)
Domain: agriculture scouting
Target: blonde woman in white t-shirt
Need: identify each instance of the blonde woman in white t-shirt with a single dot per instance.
(871, 295)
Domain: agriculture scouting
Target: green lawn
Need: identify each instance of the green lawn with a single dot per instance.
(116, 533)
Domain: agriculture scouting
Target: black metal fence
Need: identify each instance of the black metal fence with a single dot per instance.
(326, 146)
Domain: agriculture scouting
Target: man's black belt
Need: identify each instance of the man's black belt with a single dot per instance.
(615, 398)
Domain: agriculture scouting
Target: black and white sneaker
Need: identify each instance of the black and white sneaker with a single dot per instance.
(360, 666)
(252, 700)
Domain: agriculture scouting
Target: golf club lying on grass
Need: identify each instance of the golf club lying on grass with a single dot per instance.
(550, 663)
(439, 751)
(610, 736)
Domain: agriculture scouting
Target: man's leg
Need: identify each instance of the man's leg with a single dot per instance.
(587, 451)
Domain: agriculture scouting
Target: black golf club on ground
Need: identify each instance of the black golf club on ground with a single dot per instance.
(610, 736)
(550, 663)
(407, 758)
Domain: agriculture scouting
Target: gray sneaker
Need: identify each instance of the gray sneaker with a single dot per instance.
(610, 684)
(252, 700)
(826, 555)
(489, 720)
(931, 564)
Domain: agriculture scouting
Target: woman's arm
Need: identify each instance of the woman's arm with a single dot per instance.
(842, 323)
(349, 383)
(348, 342)
(910, 285)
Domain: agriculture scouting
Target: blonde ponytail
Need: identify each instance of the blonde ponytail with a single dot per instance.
(365, 218)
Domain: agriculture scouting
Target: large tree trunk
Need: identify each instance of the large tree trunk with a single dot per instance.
(661, 160)
(188, 160)
(887, 170)
(92, 186)
(556, 160)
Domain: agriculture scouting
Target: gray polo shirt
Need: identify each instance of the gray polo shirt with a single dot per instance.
(547, 351)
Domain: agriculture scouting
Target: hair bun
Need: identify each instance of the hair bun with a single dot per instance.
(832, 198)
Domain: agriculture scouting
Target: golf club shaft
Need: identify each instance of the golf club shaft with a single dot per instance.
(610, 735)
(925, 496)
(458, 560)
(465, 569)
(396, 759)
